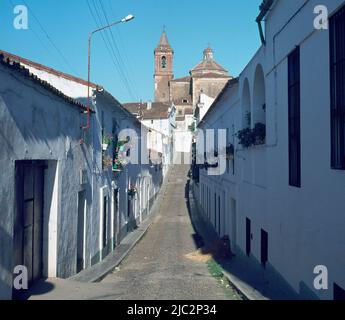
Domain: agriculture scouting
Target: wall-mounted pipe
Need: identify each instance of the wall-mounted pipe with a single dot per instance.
(264, 9)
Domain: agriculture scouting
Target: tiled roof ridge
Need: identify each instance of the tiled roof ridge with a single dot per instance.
(6, 61)
(211, 64)
(159, 110)
(50, 70)
(182, 79)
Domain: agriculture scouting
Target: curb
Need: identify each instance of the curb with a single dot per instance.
(195, 207)
(234, 282)
(106, 271)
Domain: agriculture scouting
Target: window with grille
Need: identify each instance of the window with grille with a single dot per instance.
(337, 66)
(294, 119)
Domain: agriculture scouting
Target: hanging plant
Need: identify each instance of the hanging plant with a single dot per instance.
(246, 137)
(107, 139)
(259, 133)
(118, 165)
(250, 137)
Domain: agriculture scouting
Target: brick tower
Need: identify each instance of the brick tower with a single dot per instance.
(164, 56)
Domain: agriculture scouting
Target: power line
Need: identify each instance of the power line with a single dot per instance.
(125, 71)
(48, 37)
(49, 50)
(109, 47)
(112, 44)
(98, 24)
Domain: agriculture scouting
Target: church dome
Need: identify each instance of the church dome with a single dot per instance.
(208, 66)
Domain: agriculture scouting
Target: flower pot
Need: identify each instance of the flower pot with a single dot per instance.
(104, 146)
(117, 168)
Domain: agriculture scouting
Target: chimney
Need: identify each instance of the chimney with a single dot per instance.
(149, 105)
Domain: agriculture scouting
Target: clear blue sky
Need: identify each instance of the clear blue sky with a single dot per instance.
(227, 25)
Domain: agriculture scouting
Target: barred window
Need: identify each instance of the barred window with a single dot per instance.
(337, 66)
(294, 119)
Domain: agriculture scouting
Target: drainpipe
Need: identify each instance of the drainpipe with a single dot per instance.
(264, 9)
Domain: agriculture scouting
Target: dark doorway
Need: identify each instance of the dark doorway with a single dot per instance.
(219, 226)
(215, 211)
(105, 226)
(248, 236)
(28, 224)
(339, 293)
(116, 216)
(81, 231)
(264, 247)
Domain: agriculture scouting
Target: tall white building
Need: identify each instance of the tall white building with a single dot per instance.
(281, 199)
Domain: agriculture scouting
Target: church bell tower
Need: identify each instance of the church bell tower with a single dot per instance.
(164, 56)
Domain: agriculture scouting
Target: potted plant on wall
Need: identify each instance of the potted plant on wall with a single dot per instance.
(245, 137)
(107, 139)
(118, 165)
(259, 133)
(252, 137)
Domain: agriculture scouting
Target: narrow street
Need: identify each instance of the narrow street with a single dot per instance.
(158, 267)
(163, 265)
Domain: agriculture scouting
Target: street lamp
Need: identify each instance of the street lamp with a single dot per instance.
(124, 20)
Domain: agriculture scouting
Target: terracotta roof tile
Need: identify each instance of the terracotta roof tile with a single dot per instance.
(208, 65)
(158, 110)
(163, 44)
(184, 79)
(188, 111)
(212, 75)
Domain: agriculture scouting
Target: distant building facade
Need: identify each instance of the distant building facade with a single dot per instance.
(207, 77)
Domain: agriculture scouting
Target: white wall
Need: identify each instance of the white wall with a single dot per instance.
(38, 125)
(161, 125)
(305, 225)
(204, 104)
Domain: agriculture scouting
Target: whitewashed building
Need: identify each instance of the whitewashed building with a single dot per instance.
(160, 119)
(201, 108)
(281, 199)
(63, 189)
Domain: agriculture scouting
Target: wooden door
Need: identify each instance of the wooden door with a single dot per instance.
(28, 224)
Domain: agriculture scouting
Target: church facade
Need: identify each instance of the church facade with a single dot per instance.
(181, 102)
(208, 78)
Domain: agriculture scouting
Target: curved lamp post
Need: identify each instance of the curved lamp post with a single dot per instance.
(124, 20)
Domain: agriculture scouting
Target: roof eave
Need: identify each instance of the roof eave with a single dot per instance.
(264, 9)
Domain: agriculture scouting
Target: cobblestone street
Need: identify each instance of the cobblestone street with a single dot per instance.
(159, 267)
(164, 265)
